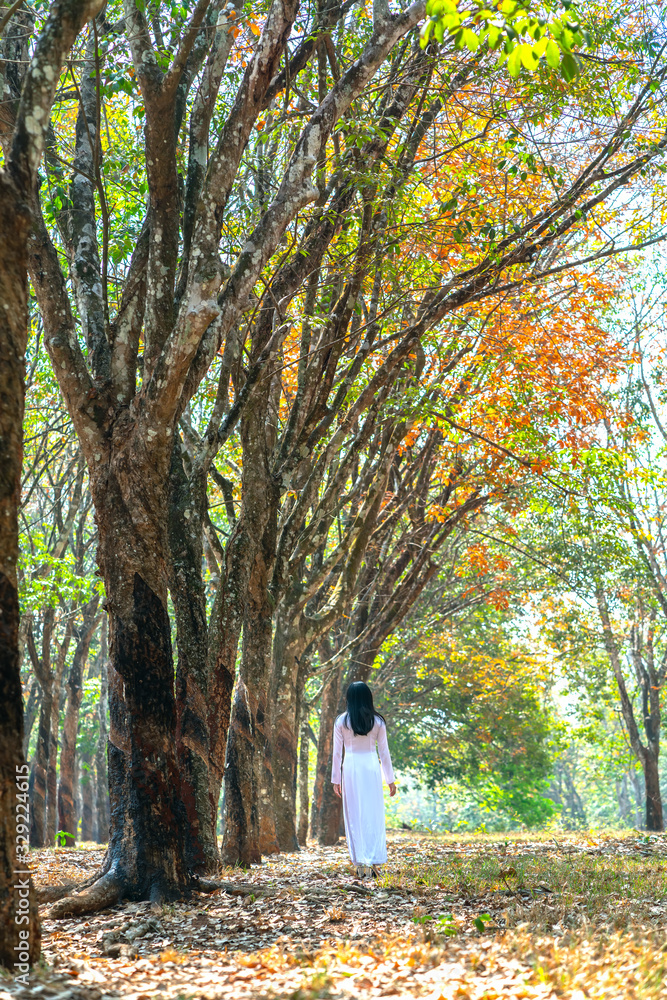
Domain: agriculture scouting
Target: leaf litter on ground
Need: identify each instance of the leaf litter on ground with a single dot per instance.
(453, 917)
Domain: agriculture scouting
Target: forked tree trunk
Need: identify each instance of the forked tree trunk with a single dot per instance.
(19, 937)
(647, 753)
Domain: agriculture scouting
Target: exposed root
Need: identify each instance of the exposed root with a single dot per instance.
(51, 893)
(101, 894)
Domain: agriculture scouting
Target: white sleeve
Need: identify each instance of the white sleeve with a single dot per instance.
(385, 757)
(337, 755)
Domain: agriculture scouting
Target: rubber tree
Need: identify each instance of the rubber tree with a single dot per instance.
(23, 134)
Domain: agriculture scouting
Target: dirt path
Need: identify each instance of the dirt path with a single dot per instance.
(438, 926)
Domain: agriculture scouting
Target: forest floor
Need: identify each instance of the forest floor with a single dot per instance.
(478, 917)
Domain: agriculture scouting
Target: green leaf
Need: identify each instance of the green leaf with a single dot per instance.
(528, 57)
(514, 63)
(552, 54)
(569, 67)
(470, 39)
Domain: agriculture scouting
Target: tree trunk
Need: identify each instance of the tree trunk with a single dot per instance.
(325, 811)
(248, 773)
(66, 808)
(304, 755)
(654, 816)
(648, 754)
(146, 847)
(287, 680)
(38, 771)
(19, 922)
(54, 732)
(248, 777)
(623, 798)
(146, 854)
(224, 632)
(87, 785)
(31, 712)
(187, 504)
(66, 788)
(101, 783)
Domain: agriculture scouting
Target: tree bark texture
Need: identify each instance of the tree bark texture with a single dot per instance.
(102, 784)
(187, 505)
(146, 856)
(287, 680)
(248, 766)
(14, 223)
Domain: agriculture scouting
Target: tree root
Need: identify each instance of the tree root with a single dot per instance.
(52, 893)
(107, 890)
(101, 894)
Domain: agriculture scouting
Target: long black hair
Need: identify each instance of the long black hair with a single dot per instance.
(360, 715)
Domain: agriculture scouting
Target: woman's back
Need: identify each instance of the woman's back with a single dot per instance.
(356, 743)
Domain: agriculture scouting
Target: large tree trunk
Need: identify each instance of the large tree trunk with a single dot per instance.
(248, 765)
(187, 504)
(325, 810)
(247, 773)
(146, 856)
(19, 922)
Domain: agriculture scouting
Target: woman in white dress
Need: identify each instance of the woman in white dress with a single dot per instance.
(363, 733)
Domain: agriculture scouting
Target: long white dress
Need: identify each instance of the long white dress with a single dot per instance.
(361, 781)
